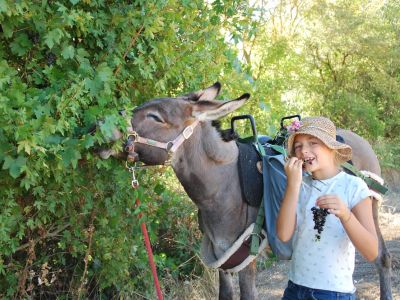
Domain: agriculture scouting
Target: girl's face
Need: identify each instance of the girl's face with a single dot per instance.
(317, 157)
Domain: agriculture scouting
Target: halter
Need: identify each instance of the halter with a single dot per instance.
(170, 146)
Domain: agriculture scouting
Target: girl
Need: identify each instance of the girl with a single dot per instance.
(323, 262)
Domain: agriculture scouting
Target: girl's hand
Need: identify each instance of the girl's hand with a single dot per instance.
(294, 171)
(334, 205)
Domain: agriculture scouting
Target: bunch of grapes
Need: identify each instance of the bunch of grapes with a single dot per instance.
(319, 217)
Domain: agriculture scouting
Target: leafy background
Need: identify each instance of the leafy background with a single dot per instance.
(69, 227)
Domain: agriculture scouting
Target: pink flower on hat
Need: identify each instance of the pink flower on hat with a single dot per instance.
(294, 126)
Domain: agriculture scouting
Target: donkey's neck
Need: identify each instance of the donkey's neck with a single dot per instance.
(207, 168)
(217, 150)
(205, 164)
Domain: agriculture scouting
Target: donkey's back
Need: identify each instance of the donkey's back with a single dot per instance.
(364, 157)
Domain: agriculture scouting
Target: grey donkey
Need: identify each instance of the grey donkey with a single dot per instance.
(180, 130)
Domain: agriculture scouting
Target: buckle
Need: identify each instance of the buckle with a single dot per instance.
(187, 132)
(134, 136)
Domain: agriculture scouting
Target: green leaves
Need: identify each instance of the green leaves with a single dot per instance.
(15, 166)
(104, 72)
(101, 82)
(53, 37)
(68, 52)
(71, 153)
(3, 6)
(108, 127)
(93, 85)
(21, 44)
(6, 74)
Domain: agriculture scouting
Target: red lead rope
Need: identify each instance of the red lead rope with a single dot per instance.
(150, 255)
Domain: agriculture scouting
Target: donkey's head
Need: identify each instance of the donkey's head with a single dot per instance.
(161, 125)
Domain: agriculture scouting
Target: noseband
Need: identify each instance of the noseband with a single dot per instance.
(170, 146)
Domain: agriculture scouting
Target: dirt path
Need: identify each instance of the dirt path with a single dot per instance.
(272, 281)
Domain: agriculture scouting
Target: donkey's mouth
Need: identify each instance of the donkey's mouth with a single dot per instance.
(130, 149)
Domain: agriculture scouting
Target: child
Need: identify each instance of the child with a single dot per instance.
(323, 262)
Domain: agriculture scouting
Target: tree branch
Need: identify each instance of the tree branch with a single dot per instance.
(131, 44)
(46, 236)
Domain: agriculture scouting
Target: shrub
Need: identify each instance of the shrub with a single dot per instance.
(68, 224)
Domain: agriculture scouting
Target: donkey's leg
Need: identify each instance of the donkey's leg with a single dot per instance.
(384, 261)
(247, 282)
(225, 286)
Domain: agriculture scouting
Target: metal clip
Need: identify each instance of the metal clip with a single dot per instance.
(134, 182)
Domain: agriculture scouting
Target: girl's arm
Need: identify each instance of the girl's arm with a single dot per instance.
(286, 221)
(358, 223)
(360, 227)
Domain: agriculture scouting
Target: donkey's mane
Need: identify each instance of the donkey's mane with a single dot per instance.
(227, 135)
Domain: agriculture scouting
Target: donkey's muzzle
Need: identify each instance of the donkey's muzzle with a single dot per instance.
(129, 147)
(132, 157)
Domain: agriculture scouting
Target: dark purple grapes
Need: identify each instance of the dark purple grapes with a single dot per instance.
(51, 58)
(319, 217)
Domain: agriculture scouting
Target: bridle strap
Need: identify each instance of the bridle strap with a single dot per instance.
(140, 140)
(186, 134)
(170, 146)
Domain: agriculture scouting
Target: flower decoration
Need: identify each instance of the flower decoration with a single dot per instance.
(294, 126)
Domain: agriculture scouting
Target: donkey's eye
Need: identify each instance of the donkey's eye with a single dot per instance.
(155, 117)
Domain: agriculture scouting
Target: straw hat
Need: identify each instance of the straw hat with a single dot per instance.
(323, 129)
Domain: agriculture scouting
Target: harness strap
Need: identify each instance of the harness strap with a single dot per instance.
(372, 183)
(255, 236)
(241, 254)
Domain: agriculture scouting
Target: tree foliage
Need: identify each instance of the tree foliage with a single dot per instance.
(333, 58)
(69, 226)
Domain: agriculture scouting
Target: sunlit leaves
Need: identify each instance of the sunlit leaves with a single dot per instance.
(335, 58)
(3, 6)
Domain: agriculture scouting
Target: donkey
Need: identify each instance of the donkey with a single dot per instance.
(181, 130)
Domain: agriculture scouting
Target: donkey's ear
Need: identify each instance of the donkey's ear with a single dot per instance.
(213, 110)
(209, 93)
